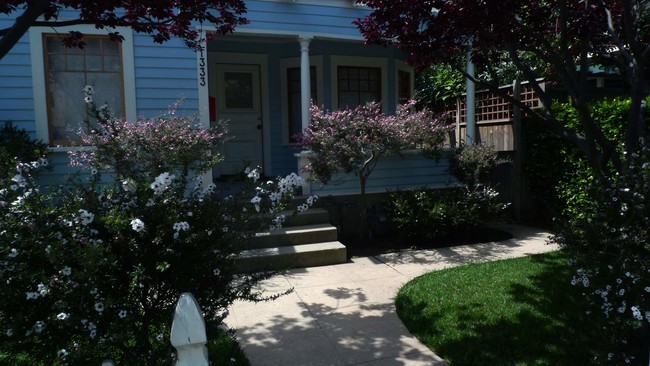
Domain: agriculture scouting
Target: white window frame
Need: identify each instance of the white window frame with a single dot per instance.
(38, 75)
(378, 62)
(285, 64)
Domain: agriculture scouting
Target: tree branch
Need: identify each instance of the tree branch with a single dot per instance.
(12, 35)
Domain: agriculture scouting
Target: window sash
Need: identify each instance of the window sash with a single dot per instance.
(358, 85)
(67, 71)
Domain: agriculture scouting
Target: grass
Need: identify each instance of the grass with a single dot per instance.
(222, 350)
(512, 312)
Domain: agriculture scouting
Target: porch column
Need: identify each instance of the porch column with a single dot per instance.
(305, 80)
(305, 104)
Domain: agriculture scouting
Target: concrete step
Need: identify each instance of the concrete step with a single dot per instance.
(310, 217)
(293, 235)
(294, 256)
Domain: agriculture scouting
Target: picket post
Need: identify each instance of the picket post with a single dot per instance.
(188, 333)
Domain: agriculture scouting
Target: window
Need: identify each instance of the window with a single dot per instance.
(294, 98)
(403, 86)
(68, 70)
(358, 85)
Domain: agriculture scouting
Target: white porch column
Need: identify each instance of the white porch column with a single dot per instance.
(305, 104)
(305, 80)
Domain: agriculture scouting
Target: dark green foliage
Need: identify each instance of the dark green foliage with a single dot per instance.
(558, 172)
(17, 146)
(434, 213)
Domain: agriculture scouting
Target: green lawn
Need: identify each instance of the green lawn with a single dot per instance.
(512, 312)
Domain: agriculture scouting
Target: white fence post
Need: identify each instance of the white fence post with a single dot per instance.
(188, 333)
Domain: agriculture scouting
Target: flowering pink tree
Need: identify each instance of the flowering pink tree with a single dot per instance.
(354, 140)
(166, 143)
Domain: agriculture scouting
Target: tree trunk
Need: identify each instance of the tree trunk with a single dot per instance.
(363, 232)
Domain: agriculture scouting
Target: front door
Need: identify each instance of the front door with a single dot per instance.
(238, 102)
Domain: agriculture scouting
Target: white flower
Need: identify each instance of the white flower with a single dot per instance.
(13, 253)
(32, 295)
(159, 337)
(62, 316)
(129, 185)
(39, 326)
(88, 94)
(99, 307)
(67, 271)
(9, 332)
(254, 175)
(216, 271)
(122, 314)
(85, 217)
(93, 171)
(137, 225)
(19, 179)
(42, 289)
(161, 183)
(62, 353)
(181, 226)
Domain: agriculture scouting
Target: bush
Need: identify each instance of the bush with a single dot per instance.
(17, 146)
(602, 223)
(472, 164)
(434, 213)
(94, 271)
(558, 172)
(609, 243)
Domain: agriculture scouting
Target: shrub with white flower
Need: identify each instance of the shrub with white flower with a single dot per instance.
(610, 245)
(94, 271)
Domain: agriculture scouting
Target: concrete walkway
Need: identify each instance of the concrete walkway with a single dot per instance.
(345, 314)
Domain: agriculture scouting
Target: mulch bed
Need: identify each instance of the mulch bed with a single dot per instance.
(357, 247)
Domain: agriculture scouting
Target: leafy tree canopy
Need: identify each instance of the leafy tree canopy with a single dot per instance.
(162, 19)
(563, 37)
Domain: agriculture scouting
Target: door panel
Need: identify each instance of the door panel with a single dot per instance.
(238, 101)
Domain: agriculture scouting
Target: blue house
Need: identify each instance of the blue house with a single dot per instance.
(261, 79)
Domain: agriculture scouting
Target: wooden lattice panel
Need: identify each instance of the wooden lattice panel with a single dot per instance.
(490, 107)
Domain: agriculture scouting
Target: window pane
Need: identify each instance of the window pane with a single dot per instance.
(348, 100)
(54, 45)
(94, 63)
(112, 63)
(56, 62)
(110, 47)
(108, 90)
(239, 90)
(76, 63)
(403, 86)
(362, 85)
(67, 108)
(93, 46)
